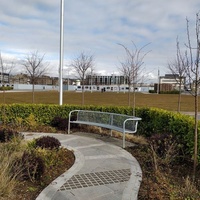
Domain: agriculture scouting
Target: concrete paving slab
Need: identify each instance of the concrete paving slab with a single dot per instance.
(101, 171)
(88, 193)
(105, 138)
(104, 165)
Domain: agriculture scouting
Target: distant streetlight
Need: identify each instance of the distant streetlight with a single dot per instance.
(61, 52)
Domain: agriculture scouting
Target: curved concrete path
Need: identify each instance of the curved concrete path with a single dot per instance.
(102, 171)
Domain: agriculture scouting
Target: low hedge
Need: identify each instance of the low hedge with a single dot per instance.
(6, 88)
(154, 121)
(158, 121)
(169, 92)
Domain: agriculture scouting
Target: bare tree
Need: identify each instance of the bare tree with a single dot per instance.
(131, 68)
(6, 67)
(192, 55)
(2, 78)
(91, 75)
(82, 64)
(35, 67)
(178, 70)
(2, 69)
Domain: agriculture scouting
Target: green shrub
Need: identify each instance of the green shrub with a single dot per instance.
(6, 88)
(31, 122)
(60, 123)
(47, 142)
(31, 145)
(169, 92)
(54, 157)
(7, 134)
(158, 121)
(152, 91)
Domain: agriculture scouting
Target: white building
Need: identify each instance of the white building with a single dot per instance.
(173, 79)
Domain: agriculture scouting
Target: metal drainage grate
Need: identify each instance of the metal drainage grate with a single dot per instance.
(97, 178)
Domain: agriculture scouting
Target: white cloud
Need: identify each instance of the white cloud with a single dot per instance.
(95, 27)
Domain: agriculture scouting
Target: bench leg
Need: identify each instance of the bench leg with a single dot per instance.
(123, 139)
(68, 132)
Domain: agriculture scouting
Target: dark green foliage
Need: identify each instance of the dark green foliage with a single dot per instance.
(60, 123)
(7, 134)
(165, 92)
(169, 92)
(158, 121)
(6, 88)
(47, 142)
(32, 166)
(152, 91)
(145, 125)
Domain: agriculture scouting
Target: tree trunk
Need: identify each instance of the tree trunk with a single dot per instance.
(83, 91)
(195, 136)
(179, 99)
(129, 96)
(134, 101)
(33, 93)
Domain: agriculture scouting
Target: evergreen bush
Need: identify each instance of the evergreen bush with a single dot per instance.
(47, 142)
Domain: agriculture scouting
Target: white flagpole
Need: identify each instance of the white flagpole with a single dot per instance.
(61, 52)
(158, 89)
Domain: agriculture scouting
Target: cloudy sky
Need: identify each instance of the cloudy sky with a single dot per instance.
(96, 27)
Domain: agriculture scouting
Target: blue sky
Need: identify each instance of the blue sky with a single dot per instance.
(96, 27)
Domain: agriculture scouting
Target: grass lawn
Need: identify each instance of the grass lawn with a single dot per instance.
(164, 101)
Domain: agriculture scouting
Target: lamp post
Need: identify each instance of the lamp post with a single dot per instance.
(61, 52)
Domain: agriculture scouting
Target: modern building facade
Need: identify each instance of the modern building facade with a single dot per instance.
(170, 82)
(106, 80)
(4, 78)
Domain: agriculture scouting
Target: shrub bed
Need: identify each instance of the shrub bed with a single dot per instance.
(26, 169)
(154, 121)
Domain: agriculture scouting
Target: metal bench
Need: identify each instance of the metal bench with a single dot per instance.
(113, 121)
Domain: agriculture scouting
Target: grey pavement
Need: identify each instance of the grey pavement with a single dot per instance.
(191, 114)
(102, 170)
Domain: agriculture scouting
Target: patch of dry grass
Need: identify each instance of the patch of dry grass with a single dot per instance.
(164, 101)
(136, 139)
(187, 190)
(8, 182)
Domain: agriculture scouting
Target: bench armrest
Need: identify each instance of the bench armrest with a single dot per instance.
(69, 120)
